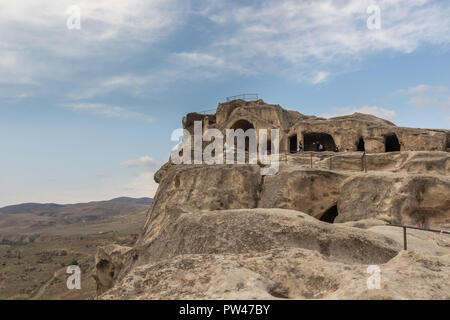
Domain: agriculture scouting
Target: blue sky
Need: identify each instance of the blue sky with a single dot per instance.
(86, 114)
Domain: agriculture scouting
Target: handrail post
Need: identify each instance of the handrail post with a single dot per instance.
(311, 159)
(365, 162)
(405, 246)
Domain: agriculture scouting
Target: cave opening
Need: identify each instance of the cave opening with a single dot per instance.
(330, 214)
(312, 138)
(293, 143)
(270, 147)
(391, 143)
(360, 146)
(244, 125)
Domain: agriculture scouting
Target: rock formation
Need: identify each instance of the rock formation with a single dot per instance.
(310, 231)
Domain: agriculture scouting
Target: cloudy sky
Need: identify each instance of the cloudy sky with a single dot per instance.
(87, 113)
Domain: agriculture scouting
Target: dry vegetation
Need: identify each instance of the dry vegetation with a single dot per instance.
(34, 256)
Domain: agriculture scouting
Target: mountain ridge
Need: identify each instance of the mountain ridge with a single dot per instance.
(31, 207)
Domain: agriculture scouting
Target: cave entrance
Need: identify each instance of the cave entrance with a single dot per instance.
(360, 145)
(310, 140)
(270, 147)
(293, 143)
(391, 143)
(244, 125)
(330, 214)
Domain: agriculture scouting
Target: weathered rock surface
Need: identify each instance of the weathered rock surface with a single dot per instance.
(308, 190)
(292, 273)
(109, 261)
(226, 232)
(396, 198)
(275, 253)
(432, 162)
(345, 131)
(415, 189)
(417, 240)
(245, 230)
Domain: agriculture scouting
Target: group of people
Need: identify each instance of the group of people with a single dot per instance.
(319, 147)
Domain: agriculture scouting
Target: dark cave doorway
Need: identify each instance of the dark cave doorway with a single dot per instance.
(244, 125)
(360, 146)
(310, 139)
(391, 143)
(293, 143)
(270, 147)
(330, 214)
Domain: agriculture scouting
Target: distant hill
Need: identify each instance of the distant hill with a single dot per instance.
(34, 217)
(30, 208)
(48, 208)
(39, 240)
(136, 201)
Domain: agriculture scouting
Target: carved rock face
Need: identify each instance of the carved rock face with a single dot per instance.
(225, 231)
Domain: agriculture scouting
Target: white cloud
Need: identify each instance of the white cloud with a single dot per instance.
(101, 87)
(35, 42)
(107, 111)
(13, 94)
(319, 77)
(373, 110)
(305, 40)
(143, 183)
(144, 162)
(200, 59)
(300, 38)
(426, 96)
(192, 60)
(180, 67)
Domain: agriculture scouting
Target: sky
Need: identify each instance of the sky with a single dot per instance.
(90, 91)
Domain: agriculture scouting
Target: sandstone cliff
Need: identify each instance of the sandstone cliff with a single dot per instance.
(308, 232)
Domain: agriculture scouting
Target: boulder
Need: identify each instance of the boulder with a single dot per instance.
(396, 198)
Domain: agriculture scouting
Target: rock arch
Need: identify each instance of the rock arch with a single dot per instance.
(330, 214)
(391, 143)
(360, 145)
(242, 124)
(310, 138)
(293, 143)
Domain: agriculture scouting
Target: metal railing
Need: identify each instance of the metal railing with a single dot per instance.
(243, 96)
(311, 153)
(328, 157)
(209, 111)
(405, 242)
(364, 162)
